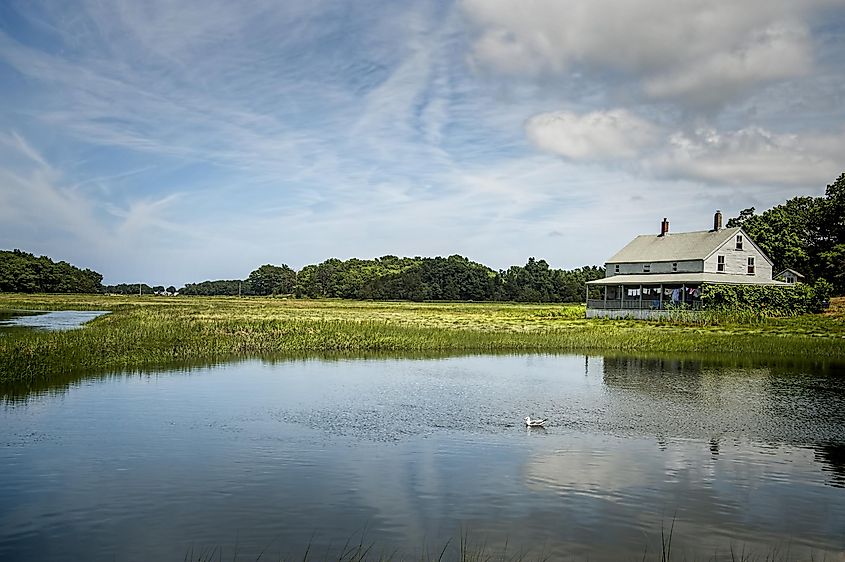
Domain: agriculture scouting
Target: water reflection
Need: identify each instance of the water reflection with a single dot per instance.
(303, 450)
(832, 458)
(804, 408)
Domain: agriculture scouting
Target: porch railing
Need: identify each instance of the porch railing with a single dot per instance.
(645, 304)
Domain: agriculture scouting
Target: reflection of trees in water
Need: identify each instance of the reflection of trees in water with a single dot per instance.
(59, 383)
(832, 456)
(63, 380)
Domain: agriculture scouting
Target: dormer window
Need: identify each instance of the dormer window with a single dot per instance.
(750, 265)
(616, 268)
(739, 241)
(720, 263)
(646, 268)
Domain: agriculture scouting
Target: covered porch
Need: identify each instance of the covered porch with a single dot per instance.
(645, 296)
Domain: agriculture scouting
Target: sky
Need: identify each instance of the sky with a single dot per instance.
(172, 142)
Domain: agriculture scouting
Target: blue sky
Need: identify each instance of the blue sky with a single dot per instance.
(173, 142)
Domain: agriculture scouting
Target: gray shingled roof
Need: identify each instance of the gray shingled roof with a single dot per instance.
(673, 247)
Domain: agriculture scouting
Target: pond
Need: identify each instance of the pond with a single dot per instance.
(288, 456)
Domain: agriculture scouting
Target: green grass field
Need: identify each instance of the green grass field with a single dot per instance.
(150, 332)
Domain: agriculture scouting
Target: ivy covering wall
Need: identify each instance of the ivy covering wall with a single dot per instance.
(770, 300)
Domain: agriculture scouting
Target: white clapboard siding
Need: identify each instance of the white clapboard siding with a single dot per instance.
(736, 261)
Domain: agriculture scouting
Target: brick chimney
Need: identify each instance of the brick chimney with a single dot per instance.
(664, 227)
(717, 221)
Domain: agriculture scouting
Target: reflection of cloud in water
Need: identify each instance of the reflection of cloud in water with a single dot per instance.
(585, 471)
(764, 492)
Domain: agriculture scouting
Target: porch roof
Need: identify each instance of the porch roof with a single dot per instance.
(683, 278)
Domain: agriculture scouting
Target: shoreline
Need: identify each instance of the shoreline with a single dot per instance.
(149, 332)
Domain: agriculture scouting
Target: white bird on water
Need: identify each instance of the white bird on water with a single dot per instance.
(535, 422)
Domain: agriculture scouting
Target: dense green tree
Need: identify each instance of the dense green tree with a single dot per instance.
(26, 273)
(806, 234)
(223, 287)
(787, 233)
(272, 280)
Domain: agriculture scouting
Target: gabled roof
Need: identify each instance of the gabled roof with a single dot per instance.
(674, 247)
(795, 273)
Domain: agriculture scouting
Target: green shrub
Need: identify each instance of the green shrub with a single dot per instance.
(766, 300)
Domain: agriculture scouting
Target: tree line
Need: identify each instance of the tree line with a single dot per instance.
(806, 234)
(21, 272)
(453, 278)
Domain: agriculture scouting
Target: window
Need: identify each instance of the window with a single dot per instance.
(646, 267)
(739, 241)
(720, 263)
(750, 265)
(616, 269)
(675, 266)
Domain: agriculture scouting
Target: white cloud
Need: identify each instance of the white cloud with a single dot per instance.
(775, 52)
(598, 135)
(700, 52)
(753, 156)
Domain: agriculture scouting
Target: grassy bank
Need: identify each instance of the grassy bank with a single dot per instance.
(147, 332)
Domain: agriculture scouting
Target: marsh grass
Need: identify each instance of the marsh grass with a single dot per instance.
(466, 549)
(151, 332)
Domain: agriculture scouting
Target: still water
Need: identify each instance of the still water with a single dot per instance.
(274, 456)
(55, 320)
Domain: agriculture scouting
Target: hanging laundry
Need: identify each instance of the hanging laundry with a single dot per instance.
(676, 295)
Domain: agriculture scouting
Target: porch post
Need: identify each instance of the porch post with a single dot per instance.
(660, 303)
(605, 297)
(641, 296)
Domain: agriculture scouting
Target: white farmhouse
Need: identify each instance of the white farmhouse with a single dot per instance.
(654, 273)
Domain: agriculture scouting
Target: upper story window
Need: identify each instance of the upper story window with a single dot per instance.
(646, 268)
(750, 264)
(720, 263)
(674, 266)
(739, 241)
(616, 268)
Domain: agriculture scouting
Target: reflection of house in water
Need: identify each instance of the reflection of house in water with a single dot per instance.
(653, 376)
(721, 407)
(686, 398)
